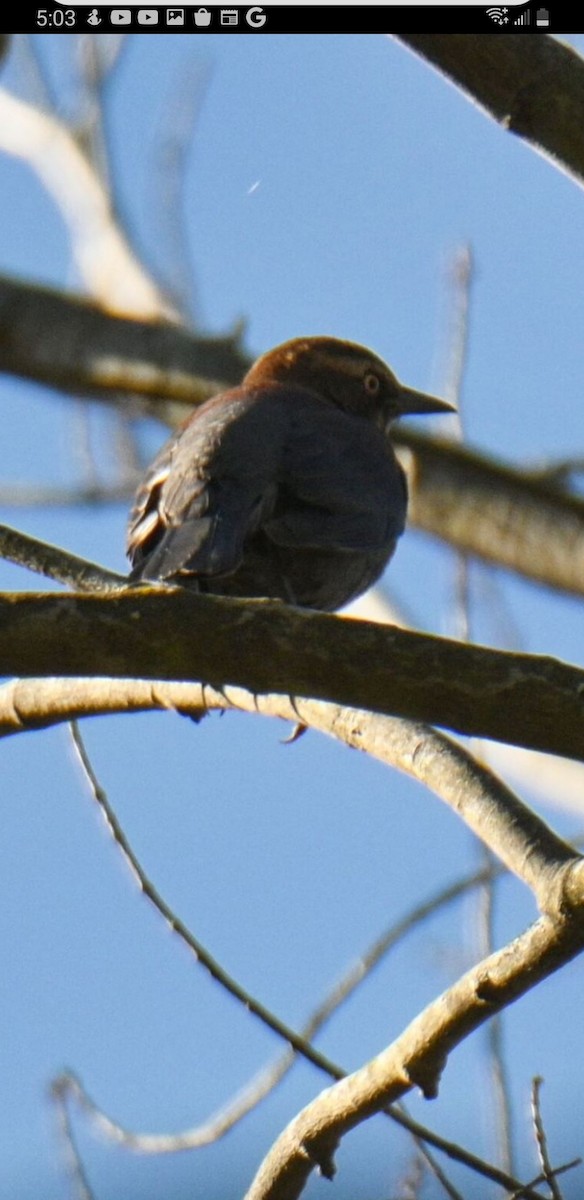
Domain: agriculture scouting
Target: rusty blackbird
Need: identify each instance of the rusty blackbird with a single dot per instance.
(286, 486)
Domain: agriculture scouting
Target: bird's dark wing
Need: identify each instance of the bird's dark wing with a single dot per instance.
(209, 488)
(341, 485)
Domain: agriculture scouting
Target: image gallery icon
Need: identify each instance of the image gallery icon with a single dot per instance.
(175, 16)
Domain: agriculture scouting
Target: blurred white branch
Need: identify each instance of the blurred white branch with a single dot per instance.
(108, 266)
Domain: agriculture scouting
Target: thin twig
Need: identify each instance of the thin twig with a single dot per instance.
(171, 149)
(218, 1125)
(559, 471)
(72, 1157)
(268, 1018)
(561, 1170)
(494, 1030)
(57, 564)
(410, 1185)
(427, 1156)
(32, 71)
(84, 495)
(97, 59)
(461, 278)
(541, 1139)
(459, 1154)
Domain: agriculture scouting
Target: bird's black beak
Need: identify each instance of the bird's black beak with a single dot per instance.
(410, 401)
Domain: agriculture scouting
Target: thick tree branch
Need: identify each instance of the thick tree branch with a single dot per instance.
(72, 344)
(503, 514)
(532, 86)
(166, 635)
(511, 517)
(519, 838)
(418, 1056)
(266, 646)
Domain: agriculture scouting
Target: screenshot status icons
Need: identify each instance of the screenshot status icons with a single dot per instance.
(231, 17)
(201, 18)
(504, 16)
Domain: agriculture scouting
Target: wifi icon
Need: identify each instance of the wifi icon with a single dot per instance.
(499, 15)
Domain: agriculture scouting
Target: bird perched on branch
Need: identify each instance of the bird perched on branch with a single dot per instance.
(286, 486)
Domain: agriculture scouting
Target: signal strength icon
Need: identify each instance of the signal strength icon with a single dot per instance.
(524, 18)
(499, 15)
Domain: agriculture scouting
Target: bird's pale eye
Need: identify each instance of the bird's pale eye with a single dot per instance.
(371, 383)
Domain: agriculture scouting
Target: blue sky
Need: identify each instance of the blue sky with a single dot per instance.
(329, 183)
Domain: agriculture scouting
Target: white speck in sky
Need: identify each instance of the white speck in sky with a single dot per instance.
(254, 187)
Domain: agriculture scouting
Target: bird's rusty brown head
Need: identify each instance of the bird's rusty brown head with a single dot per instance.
(346, 374)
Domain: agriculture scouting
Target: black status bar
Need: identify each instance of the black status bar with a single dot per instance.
(200, 20)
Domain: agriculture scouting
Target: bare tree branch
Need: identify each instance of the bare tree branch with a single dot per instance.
(105, 260)
(532, 86)
(519, 838)
(174, 922)
(165, 637)
(266, 646)
(72, 344)
(417, 1057)
(506, 515)
(516, 518)
(500, 1083)
(90, 494)
(551, 867)
(45, 559)
(218, 1124)
(541, 1140)
(73, 1163)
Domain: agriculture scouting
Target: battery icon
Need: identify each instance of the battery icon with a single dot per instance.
(542, 18)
